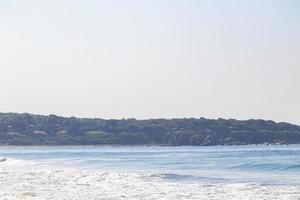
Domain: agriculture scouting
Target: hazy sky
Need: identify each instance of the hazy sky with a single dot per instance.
(151, 58)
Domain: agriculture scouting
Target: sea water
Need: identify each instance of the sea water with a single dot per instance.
(104, 172)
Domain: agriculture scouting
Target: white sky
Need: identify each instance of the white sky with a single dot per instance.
(151, 58)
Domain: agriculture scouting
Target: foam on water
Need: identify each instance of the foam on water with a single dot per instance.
(14, 163)
(78, 184)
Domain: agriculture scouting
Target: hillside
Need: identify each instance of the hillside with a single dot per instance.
(28, 129)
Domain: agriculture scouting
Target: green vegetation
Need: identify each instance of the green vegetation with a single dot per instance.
(28, 129)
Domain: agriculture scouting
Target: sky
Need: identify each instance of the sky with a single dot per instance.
(151, 58)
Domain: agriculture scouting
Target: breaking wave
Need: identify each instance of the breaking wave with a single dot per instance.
(59, 184)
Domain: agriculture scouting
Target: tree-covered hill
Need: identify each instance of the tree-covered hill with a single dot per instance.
(28, 129)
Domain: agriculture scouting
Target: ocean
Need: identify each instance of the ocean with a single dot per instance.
(138, 172)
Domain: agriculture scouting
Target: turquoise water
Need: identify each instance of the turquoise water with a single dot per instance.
(278, 165)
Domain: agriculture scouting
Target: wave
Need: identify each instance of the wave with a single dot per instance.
(188, 178)
(94, 184)
(293, 167)
(12, 162)
(267, 167)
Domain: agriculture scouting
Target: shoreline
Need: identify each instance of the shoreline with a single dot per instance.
(100, 145)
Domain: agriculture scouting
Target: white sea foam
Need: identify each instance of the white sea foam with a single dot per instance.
(21, 182)
(14, 163)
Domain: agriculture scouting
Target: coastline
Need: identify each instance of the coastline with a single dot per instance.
(155, 145)
(56, 130)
